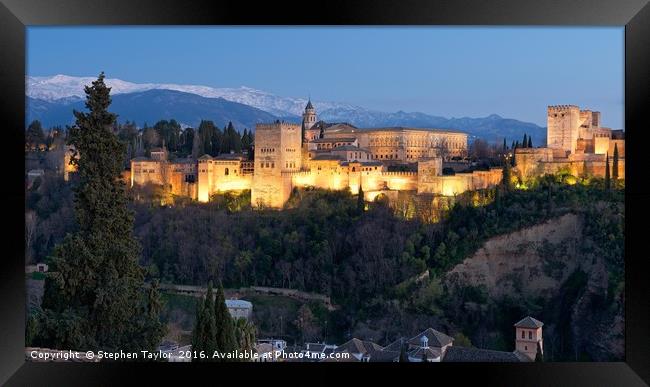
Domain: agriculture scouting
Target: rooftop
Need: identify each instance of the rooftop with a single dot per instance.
(358, 346)
(432, 353)
(238, 304)
(384, 356)
(349, 148)
(435, 338)
(327, 156)
(529, 322)
(463, 354)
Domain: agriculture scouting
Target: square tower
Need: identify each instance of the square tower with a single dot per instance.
(278, 150)
(563, 127)
(528, 333)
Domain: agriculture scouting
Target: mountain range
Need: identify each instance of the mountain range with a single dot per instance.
(52, 99)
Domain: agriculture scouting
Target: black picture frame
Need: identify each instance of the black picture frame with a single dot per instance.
(15, 15)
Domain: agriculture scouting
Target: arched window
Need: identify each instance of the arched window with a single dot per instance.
(530, 335)
(523, 334)
(227, 172)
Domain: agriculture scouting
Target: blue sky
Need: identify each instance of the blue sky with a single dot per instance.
(449, 71)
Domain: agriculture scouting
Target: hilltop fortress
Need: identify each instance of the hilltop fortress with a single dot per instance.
(577, 143)
(343, 157)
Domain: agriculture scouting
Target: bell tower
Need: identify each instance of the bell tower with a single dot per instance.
(309, 120)
(528, 333)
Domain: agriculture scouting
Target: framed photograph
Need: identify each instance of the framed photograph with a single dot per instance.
(256, 192)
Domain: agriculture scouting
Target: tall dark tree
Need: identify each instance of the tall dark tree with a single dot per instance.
(204, 333)
(246, 141)
(403, 356)
(34, 136)
(94, 296)
(530, 142)
(209, 139)
(539, 356)
(361, 203)
(615, 163)
(506, 174)
(187, 141)
(231, 140)
(505, 147)
(524, 144)
(224, 325)
(169, 132)
(608, 180)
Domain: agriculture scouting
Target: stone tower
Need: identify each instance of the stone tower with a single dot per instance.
(309, 120)
(563, 127)
(528, 333)
(277, 154)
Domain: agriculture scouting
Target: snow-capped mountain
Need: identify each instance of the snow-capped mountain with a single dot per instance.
(64, 86)
(51, 100)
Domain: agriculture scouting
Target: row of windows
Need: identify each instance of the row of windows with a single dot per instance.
(290, 150)
(387, 156)
(330, 145)
(267, 165)
(530, 335)
(354, 169)
(267, 150)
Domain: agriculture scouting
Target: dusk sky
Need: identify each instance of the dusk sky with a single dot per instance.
(448, 71)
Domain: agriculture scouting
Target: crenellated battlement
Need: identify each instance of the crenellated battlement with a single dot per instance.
(557, 108)
(399, 173)
(296, 173)
(277, 126)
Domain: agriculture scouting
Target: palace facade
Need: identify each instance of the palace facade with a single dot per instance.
(343, 157)
(312, 154)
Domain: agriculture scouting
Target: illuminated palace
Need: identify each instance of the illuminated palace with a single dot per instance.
(340, 156)
(576, 142)
(312, 154)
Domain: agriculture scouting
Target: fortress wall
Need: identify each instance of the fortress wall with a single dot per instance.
(145, 172)
(528, 160)
(461, 182)
(401, 181)
(594, 167)
(232, 183)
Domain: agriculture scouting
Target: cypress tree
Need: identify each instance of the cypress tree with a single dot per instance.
(513, 145)
(506, 175)
(34, 134)
(524, 144)
(93, 296)
(403, 356)
(608, 181)
(361, 204)
(197, 336)
(224, 325)
(530, 142)
(539, 357)
(209, 324)
(615, 163)
(505, 147)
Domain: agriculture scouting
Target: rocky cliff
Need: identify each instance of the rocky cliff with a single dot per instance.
(550, 264)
